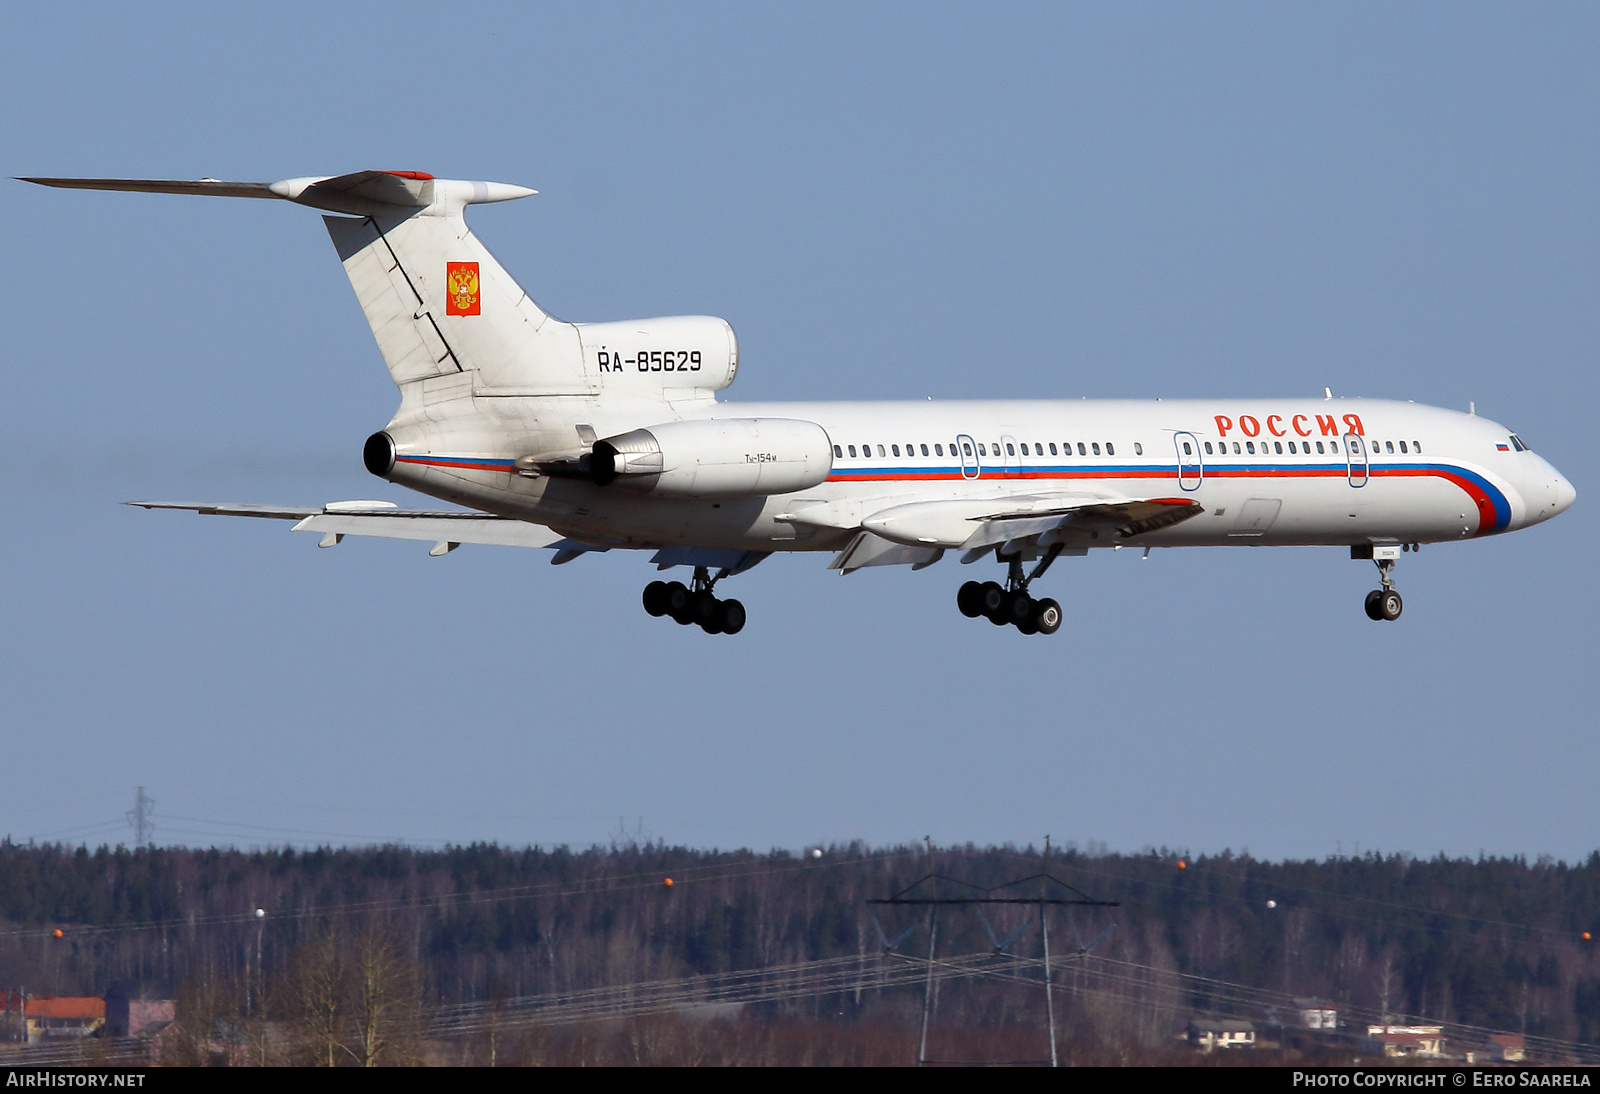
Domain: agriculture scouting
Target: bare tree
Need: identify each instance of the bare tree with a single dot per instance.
(385, 999)
(318, 990)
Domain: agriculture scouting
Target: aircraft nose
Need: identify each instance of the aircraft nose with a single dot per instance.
(1565, 494)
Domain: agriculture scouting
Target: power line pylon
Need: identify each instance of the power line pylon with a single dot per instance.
(139, 817)
(925, 892)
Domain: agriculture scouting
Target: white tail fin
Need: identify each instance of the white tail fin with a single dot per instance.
(436, 300)
(440, 305)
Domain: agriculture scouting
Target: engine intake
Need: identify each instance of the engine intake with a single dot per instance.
(378, 454)
(716, 458)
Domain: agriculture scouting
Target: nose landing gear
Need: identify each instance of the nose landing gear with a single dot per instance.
(1384, 604)
(1011, 603)
(695, 603)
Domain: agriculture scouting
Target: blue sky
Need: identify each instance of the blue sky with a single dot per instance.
(886, 201)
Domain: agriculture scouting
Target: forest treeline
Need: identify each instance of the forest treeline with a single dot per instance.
(1492, 942)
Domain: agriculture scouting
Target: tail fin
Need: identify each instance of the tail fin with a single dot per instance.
(436, 299)
(438, 302)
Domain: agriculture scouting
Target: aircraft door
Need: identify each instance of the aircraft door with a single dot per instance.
(1009, 459)
(1191, 468)
(1356, 455)
(967, 449)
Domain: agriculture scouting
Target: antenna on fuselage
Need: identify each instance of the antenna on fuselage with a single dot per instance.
(1472, 409)
(1327, 393)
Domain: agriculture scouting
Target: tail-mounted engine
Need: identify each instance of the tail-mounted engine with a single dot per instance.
(716, 458)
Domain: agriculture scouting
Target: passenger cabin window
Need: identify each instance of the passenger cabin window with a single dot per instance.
(1402, 448)
(925, 450)
(1186, 451)
(1082, 449)
(838, 453)
(967, 448)
(880, 450)
(1096, 447)
(982, 451)
(1277, 446)
(1416, 446)
(852, 452)
(1388, 446)
(1011, 450)
(1052, 448)
(1208, 448)
(1138, 449)
(1110, 451)
(1235, 448)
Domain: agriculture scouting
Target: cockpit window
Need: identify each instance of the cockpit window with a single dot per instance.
(1519, 444)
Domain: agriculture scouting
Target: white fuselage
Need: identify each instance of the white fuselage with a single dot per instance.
(1267, 471)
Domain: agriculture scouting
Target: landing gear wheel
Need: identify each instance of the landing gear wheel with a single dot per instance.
(1018, 609)
(1029, 625)
(678, 601)
(970, 599)
(1047, 616)
(730, 617)
(703, 610)
(1390, 605)
(655, 598)
(1374, 609)
(993, 598)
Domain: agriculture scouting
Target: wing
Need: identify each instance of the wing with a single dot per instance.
(1028, 524)
(446, 529)
(895, 532)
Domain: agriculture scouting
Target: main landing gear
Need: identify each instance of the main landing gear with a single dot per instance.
(695, 603)
(1384, 603)
(1011, 603)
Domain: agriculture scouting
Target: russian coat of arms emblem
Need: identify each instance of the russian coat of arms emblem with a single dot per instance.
(461, 289)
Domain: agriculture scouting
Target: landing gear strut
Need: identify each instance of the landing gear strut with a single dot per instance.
(1011, 604)
(695, 603)
(1385, 603)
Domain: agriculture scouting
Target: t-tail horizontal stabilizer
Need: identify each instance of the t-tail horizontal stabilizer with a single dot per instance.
(363, 193)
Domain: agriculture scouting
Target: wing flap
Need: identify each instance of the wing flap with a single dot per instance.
(871, 550)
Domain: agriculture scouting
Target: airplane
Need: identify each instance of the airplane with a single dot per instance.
(590, 437)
